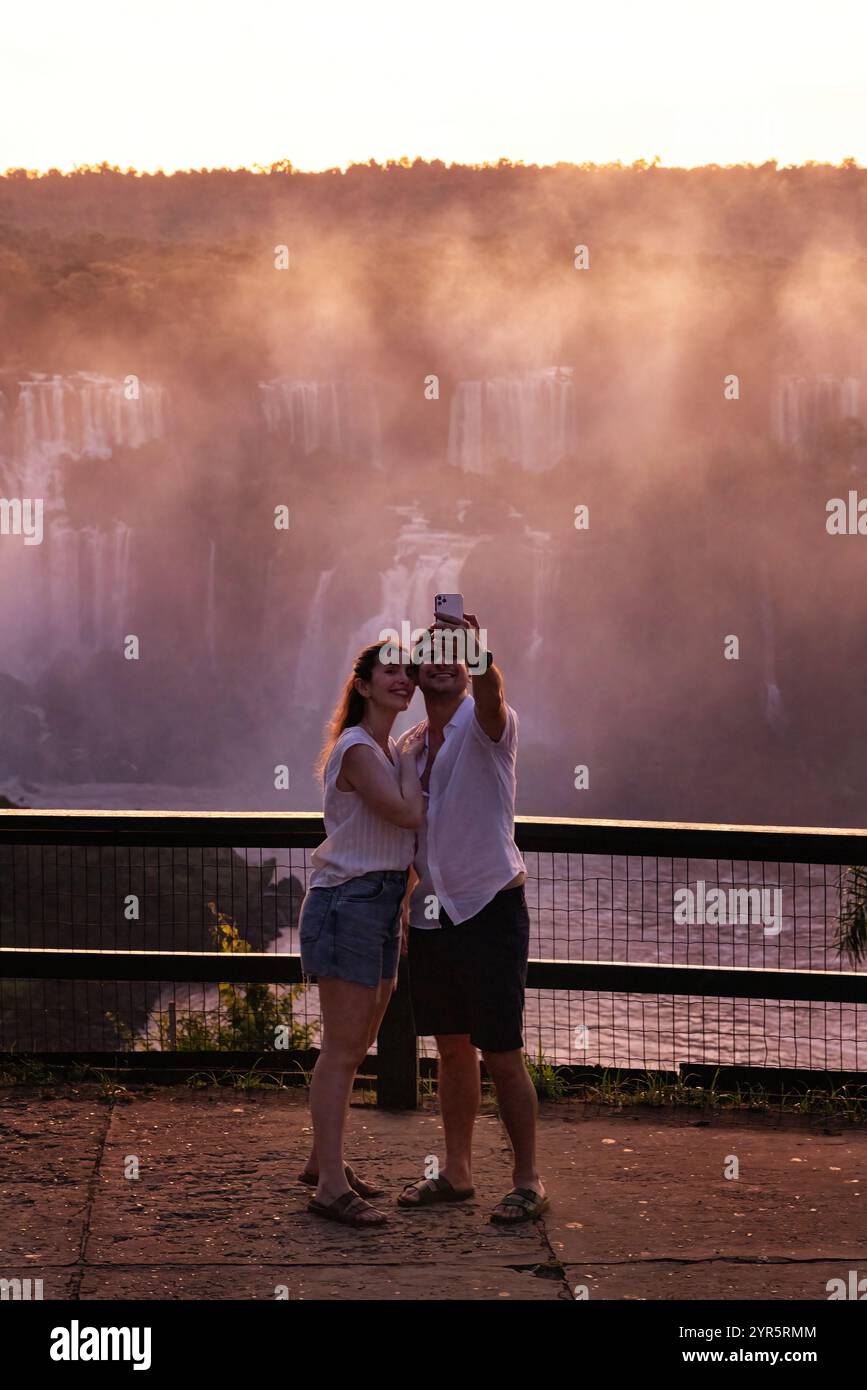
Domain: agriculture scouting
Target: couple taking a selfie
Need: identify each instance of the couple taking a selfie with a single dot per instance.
(420, 856)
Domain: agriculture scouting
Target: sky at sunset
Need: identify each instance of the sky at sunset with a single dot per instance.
(204, 83)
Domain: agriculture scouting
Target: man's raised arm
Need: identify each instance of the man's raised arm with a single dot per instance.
(488, 692)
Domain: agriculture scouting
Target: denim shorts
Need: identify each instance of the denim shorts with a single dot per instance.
(352, 931)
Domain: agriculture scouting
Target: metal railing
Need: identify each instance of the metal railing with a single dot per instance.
(605, 937)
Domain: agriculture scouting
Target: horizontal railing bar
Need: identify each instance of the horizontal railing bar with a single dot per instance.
(710, 981)
(54, 963)
(196, 829)
(263, 967)
(304, 830)
(676, 840)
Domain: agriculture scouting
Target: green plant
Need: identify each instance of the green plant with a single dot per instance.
(547, 1079)
(248, 1016)
(25, 1071)
(851, 935)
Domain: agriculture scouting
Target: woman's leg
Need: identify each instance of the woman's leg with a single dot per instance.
(348, 1010)
(383, 999)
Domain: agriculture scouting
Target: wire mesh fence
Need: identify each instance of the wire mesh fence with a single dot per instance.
(586, 906)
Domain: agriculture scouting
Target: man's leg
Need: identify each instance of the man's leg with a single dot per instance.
(460, 1095)
(499, 950)
(436, 976)
(519, 1109)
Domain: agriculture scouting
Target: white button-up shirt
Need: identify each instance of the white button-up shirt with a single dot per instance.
(465, 850)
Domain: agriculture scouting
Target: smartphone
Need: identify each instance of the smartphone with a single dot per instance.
(449, 606)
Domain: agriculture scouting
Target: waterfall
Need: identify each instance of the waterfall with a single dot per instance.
(70, 594)
(787, 410)
(424, 563)
(75, 416)
(87, 584)
(539, 661)
(72, 591)
(850, 398)
(802, 408)
(540, 589)
(341, 417)
(529, 420)
(104, 575)
(775, 714)
(308, 692)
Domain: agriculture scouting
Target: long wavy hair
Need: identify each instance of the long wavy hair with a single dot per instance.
(350, 708)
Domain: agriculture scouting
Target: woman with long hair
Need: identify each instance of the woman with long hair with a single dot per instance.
(350, 919)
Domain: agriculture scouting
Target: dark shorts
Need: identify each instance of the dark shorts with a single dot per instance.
(471, 978)
(352, 932)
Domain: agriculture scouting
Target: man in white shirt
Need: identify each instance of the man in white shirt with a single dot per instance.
(468, 928)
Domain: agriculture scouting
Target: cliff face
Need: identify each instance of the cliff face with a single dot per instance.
(78, 897)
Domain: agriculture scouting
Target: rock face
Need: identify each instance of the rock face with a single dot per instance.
(76, 896)
(23, 731)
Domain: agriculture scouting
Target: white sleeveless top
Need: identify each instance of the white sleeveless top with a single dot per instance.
(358, 840)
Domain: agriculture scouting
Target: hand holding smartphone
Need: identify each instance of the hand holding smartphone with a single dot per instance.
(449, 608)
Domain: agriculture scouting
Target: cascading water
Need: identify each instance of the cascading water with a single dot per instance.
(341, 417)
(71, 593)
(425, 563)
(801, 407)
(540, 658)
(775, 714)
(104, 559)
(308, 691)
(74, 599)
(528, 420)
(787, 410)
(70, 417)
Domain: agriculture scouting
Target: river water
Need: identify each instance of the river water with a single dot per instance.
(619, 908)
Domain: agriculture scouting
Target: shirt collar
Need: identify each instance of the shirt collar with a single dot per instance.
(460, 714)
(457, 718)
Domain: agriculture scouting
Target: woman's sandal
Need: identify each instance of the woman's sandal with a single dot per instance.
(530, 1203)
(349, 1208)
(432, 1190)
(364, 1189)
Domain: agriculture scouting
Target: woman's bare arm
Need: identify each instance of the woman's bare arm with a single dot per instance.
(403, 805)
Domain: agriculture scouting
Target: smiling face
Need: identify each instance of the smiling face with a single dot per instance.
(389, 686)
(442, 680)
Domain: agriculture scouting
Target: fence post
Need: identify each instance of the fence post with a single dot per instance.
(396, 1052)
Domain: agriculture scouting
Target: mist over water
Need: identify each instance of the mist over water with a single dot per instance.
(433, 391)
(556, 388)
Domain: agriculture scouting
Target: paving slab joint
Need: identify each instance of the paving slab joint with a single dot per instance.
(81, 1263)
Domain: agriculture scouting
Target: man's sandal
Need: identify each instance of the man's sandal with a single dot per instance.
(432, 1190)
(364, 1189)
(530, 1204)
(349, 1208)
